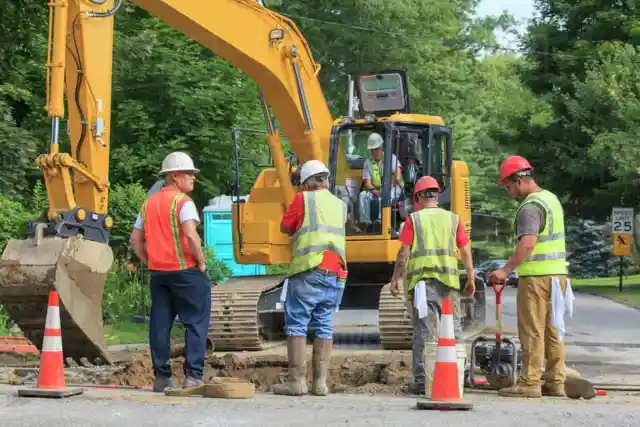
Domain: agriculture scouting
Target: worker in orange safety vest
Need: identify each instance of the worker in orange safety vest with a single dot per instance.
(165, 238)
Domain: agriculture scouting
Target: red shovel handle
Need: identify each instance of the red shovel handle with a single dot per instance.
(498, 288)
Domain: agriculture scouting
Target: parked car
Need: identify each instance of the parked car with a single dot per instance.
(483, 269)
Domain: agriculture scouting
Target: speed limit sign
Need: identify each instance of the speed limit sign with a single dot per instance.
(622, 221)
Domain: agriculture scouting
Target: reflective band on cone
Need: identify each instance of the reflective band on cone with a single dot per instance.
(51, 373)
(445, 389)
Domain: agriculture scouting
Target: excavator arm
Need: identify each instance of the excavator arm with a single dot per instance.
(69, 251)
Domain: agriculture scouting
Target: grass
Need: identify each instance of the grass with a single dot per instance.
(608, 286)
(127, 333)
(134, 333)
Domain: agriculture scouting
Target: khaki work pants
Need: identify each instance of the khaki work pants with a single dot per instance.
(539, 340)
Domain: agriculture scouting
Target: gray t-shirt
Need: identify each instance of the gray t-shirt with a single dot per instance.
(531, 220)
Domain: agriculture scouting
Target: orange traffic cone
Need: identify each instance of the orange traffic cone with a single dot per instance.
(51, 373)
(445, 388)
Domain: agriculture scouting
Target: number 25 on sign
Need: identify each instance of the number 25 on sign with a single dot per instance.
(622, 230)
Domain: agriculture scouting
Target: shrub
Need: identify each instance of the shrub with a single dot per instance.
(14, 220)
(216, 269)
(124, 205)
(126, 292)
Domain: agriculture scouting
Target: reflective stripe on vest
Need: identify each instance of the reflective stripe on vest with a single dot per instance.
(321, 230)
(167, 247)
(433, 252)
(549, 254)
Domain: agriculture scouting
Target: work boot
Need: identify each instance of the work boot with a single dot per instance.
(296, 383)
(553, 390)
(190, 382)
(321, 362)
(521, 391)
(417, 388)
(576, 388)
(160, 383)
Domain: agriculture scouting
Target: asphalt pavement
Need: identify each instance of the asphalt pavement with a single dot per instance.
(110, 408)
(601, 341)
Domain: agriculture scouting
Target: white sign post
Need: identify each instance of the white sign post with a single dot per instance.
(622, 220)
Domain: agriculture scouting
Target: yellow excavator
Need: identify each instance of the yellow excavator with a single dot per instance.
(68, 249)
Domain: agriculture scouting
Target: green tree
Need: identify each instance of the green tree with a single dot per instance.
(582, 58)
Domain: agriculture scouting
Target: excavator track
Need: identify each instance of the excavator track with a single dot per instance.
(394, 321)
(244, 314)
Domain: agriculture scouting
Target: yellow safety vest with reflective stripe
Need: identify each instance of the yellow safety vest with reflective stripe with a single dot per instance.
(549, 254)
(376, 176)
(433, 252)
(321, 230)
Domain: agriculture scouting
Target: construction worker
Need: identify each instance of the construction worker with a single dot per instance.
(372, 178)
(428, 237)
(165, 238)
(316, 220)
(540, 260)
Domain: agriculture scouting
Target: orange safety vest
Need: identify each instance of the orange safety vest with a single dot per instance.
(167, 247)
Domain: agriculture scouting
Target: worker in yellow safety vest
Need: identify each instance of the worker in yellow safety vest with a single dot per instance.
(539, 258)
(316, 221)
(429, 237)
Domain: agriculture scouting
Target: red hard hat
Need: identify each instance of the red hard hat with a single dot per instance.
(426, 183)
(512, 165)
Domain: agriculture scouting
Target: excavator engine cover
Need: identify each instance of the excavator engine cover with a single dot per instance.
(77, 269)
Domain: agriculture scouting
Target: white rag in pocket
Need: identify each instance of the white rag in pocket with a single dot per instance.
(561, 304)
(420, 299)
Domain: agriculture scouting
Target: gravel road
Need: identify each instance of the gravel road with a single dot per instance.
(109, 408)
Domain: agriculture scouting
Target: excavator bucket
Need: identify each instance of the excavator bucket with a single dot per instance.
(77, 269)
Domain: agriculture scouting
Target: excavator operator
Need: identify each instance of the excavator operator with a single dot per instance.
(428, 238)
(165, 238)
(316, 221)
(372, 178)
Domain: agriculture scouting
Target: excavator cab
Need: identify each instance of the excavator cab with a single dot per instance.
(413, 146)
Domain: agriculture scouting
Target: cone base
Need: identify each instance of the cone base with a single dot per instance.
(50, 392)
(459, 405)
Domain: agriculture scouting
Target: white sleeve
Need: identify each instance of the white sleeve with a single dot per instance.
(366, 170)
(189, 211)
(395, 163)
(138, 223)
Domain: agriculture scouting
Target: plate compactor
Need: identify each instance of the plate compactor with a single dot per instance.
(498, 359)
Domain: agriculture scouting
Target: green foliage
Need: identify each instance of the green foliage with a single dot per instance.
(126, 292)
(582, 60)
(14, 220)
(216, 269)
(125, 201)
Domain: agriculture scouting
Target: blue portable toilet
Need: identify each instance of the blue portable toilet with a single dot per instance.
(218, 235)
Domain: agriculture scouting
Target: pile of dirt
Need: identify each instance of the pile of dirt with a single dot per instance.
(347, 374)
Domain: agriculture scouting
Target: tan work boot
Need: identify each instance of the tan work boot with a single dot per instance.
(321, 362)
(553, 390)
(296, 384)
(521, 391)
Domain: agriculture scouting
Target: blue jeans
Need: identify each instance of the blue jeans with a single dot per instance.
(186, 293)
(312, 299)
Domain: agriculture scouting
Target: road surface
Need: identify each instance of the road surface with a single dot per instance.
(602, 339)
(109, 408)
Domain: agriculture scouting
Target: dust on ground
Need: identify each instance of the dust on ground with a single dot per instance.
(368, 373)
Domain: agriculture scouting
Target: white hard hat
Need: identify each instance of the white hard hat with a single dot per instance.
(177, 161)
(310, 168)
(374, 141)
